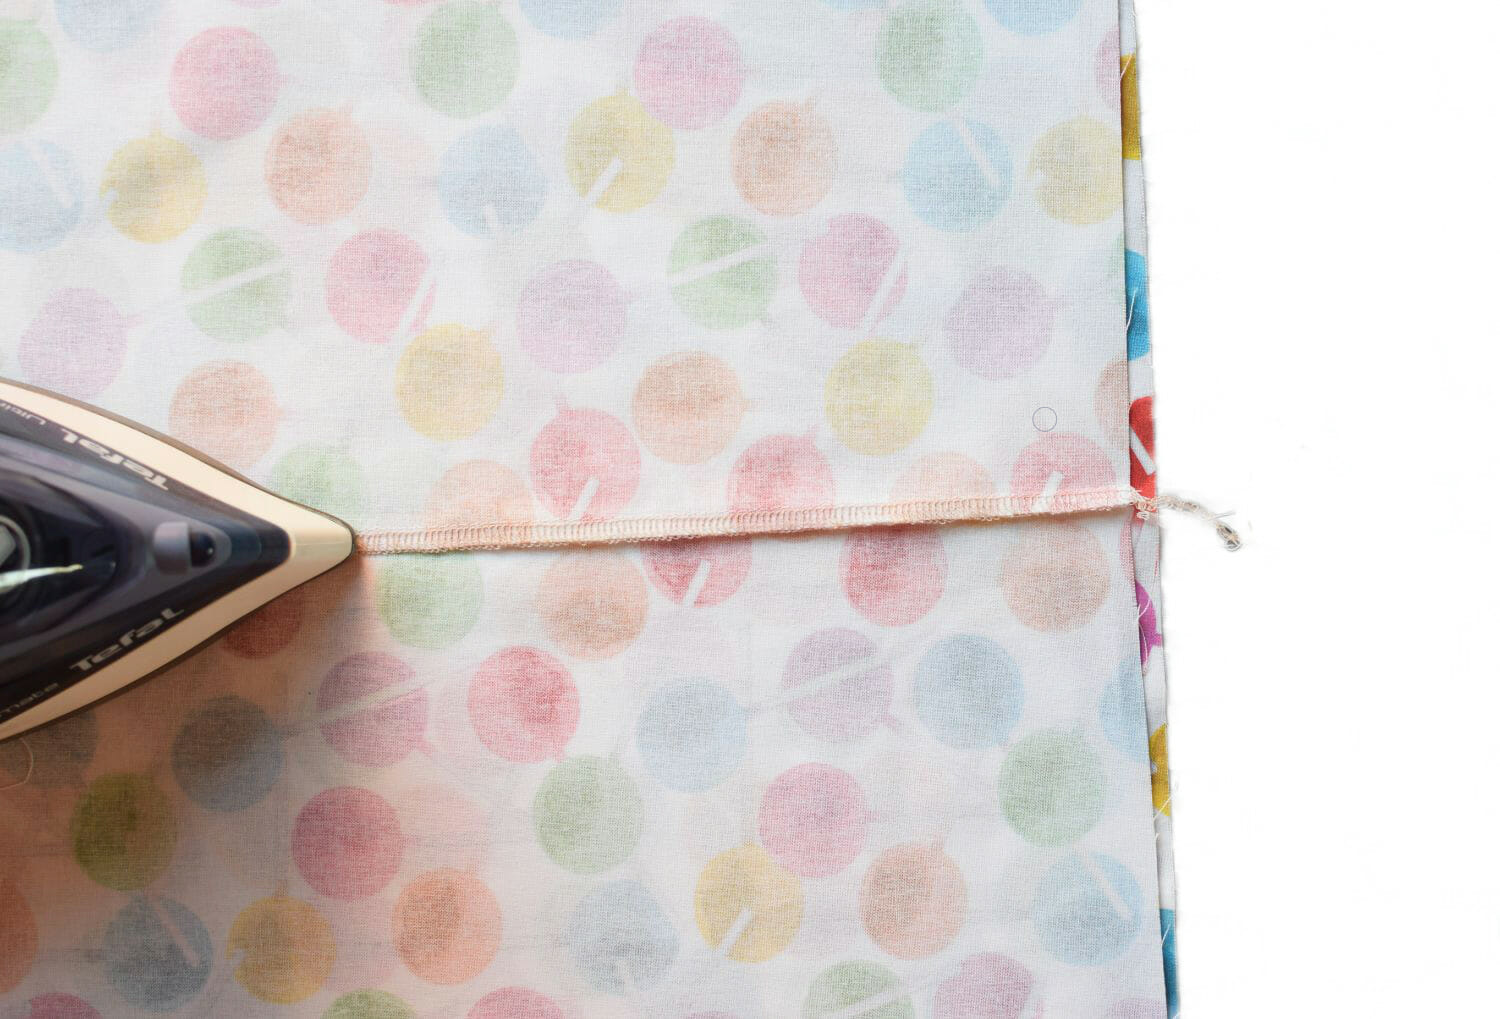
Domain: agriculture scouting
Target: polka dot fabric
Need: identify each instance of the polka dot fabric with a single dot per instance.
(879, 772)
(480, 276)
(662, 268)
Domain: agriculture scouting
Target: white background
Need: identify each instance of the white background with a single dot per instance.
(1324, 197)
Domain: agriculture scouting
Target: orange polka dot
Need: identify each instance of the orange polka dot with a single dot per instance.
(446, 926)
(913, 901)
(1112, 401)
(267, 630)
(478, 492)
(318, 166)
(1054, 575)
(227, 410)
(18, 936)
(784, 158)
(687, 407)
(593, 604)
(943, 476)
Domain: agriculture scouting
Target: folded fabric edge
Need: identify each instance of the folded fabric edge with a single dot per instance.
(489, 537)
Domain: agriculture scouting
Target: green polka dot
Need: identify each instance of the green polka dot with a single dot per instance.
(1052, 788)
(464, 58)
(734, 295)
(251, 309)
(930, 54)
(369, 1005)
(28, 74)
(838, 989)
(588, 815)
(323, 478)
(123, 832)
(429, 601)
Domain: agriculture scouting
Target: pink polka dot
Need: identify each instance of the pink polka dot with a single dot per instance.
(1062, 464)
(347, 843)
(374, 286)
(698, 572)
(987, 986)
(585, 465)
(1137, 1008)
(61, 1006)
(523, 705)
(688, 73)
(842, 702)
(894, 576)
(515, 1003)
(224, 83)
(813, 819)
(75, 345)
(571, 316)
(1107, 70)
(843, 271)
(369, 726)
(780, 472)
(1001, 324)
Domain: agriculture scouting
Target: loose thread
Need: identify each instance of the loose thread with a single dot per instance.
(1149, 507)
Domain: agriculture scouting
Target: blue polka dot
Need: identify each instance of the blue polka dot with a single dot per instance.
(1137, 306)
(620, 939)
(1033, 17)
(569, 19)
(1169, 959)
(1087, 910)
(490, 174)
(692, 736)
(1122, 712)
(41, 196)
(969, 692)
(157, 954)
(227, 755)
(957, 179)
(106, 24)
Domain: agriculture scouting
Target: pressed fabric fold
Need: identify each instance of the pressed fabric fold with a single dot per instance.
(816, 337)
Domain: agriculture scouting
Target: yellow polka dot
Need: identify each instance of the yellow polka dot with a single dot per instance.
(1161, 780)
(158, 189)
(1130, 107)
(743, 893)
(288, 949)
(616, 146)
(1079, 165)
(449, 382)
(879, 397)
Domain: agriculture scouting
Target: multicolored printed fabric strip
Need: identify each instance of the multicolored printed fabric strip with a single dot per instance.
(840, 304)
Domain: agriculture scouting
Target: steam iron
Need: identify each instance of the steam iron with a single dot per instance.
(121, 551)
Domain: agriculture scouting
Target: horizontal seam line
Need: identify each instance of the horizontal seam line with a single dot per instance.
(484, 537)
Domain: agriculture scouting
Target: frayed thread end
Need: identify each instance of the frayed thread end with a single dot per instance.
(1150, 507)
